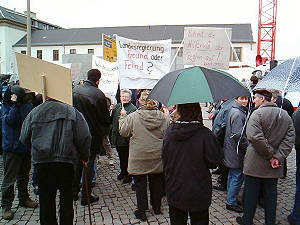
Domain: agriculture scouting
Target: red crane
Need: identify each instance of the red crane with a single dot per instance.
(266, 31)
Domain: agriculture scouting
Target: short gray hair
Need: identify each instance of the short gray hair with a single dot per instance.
(126, 91)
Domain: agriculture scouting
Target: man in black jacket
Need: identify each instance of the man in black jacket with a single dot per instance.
(59, 136)
(91, 102)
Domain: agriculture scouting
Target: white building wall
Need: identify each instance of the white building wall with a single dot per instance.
(47, 51)
(8, 37)
(248, 56)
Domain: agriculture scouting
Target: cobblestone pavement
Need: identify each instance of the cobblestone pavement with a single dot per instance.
(117, 202)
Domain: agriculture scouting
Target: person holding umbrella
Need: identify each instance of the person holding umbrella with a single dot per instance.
(189, 151)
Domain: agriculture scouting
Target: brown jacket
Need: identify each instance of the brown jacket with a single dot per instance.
(146, 130)
(270, 133)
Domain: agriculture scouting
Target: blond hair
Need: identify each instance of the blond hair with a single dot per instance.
(145, 102)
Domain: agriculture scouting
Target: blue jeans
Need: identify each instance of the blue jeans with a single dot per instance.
(253, 186)
(295, 216)
(234, 184)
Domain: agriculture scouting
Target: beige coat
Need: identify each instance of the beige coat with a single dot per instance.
(146, 130)
(270, 133)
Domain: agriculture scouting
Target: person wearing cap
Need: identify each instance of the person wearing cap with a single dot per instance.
(271, 136)
(16, 156)
(145, 127)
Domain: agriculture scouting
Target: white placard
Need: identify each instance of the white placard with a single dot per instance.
(109, 75)
(208, 47)
(147, 60)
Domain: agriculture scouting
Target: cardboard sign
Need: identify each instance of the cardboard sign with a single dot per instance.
(109, 75)
(58, 80)
(109, 48)
(142, 60)
(208, 47)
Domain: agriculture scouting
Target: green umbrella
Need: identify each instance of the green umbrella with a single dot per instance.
(197, 84)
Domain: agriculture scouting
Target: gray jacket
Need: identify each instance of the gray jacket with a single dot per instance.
(235, 142)
(270, 133)
(56, 132)
(221, 115)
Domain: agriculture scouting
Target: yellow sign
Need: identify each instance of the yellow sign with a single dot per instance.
(45, 77)
(109, 48)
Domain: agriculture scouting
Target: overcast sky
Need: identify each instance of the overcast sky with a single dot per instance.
(108, 13)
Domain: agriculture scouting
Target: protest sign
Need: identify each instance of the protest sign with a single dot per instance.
(142, 63)
(208, 47)
(57, 79)
(109, 75)
(109, 48)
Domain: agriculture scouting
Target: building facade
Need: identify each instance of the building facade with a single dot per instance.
(50, 45)
(12, 29)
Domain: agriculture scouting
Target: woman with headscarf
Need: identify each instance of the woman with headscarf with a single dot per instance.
(189, 151)
(146, 127)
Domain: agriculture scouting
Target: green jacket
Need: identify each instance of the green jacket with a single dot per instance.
(117, 139)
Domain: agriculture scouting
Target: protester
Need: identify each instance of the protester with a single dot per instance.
(146, 127)
(294, 217)
(189, 151)
(59, 136)
(106, 142)
(253, 81)
(91, 102)
(286, 105)
(16, 156)
(271, 135)
(219, 117)
(122, 143)
(235, 144)
(282, 102)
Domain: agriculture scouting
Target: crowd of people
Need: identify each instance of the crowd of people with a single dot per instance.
(168, 149)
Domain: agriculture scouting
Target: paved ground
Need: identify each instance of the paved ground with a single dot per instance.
(117, 202)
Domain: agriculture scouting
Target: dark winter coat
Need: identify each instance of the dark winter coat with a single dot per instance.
(91, 102)
(56, 132)
(286, 105)
(296, 120)
(13, 116)
(189, 151)
(117, 139)
(235, 136)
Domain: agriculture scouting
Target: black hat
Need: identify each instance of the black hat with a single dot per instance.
(265, 93)
(18, 91)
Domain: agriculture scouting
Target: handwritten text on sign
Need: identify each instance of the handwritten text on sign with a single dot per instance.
(143, 59)
(109, 75)
(208, 47)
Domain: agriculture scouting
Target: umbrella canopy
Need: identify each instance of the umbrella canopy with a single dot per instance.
(197, 84)
(285, 76)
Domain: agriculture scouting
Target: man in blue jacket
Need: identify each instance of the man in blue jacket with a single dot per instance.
(16, 156)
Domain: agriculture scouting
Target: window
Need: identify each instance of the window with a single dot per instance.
(72, 51)
(39, 54)
(23, 52)
(91, 51)
(238, 51)
(55, 55)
